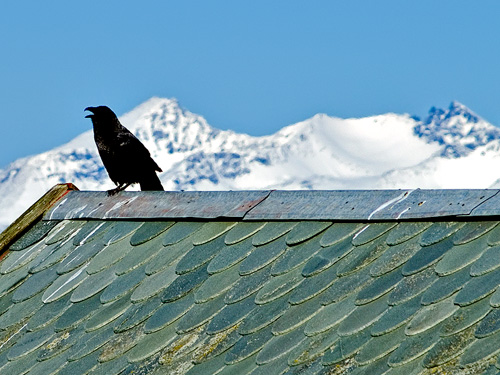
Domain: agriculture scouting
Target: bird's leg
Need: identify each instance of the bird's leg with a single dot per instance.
(118, 189)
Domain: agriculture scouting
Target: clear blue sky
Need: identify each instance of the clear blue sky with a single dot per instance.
(251, 66)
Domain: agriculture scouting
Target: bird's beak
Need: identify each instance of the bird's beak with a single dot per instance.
(90, 109)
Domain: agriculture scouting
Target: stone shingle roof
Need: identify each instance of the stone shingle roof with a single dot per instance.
(340, 282)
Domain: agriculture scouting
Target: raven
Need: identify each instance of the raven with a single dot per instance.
(125, 158)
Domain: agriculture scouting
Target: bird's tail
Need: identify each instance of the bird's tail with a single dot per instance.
(151, 182)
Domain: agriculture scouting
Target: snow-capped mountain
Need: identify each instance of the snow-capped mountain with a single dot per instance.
(451, 148)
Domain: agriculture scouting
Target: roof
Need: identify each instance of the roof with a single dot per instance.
(261, 282)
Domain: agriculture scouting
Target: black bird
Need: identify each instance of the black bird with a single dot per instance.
(125, 158)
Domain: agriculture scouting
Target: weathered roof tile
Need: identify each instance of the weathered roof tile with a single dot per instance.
(207, 296)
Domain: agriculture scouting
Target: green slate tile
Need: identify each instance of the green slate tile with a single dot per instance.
(48, 367)
(81, 366)
(478, 287)
(312, 347)
(445, 286)
(248, 285)
(13, 278)
(314, 285)
(113, 367)
(139, 256)
(465, 317)
(495, 298)
(276, 367)
(414, 347)
(380, 346)
(91, 342)
(329, 316)
(278, 286)
(494, 236)
(123, 284)
(168, 313)
(431, 315)
(461, 256)
(217, 284)
(34, 284)
(370, 232)
(271, 231)
(412, 285)
(213, 366)
(168, 256)
(311, 368)
(278, 346)
(244, 366)
(448, 348)
(362, 256)
(48, 313)
(120, 344)
(152, 343)
(489, 325)
(199, 255)
(363, 316)
(263, 315)
(81, 255)
(378, 366)
(64, 284)
(108, 313)
(339, 232)
(305, 230)
(295, 256)
(481, 349)
(439, 231)
(17, 259)
(427, 256)
(179, 231)
(327, 256)
(148, 231)
(346, 347)
(211, 230)
(118, 230)
(29, 342)
(231, 315)
(110, 255)
(56, 253)
(63, 230)
(472, 230)
(381, 285)
(262, 256)
(59, 344)
(242, 231)
(396, 317)
(77, 313)
(489, 261)
(404, 231)
(395, 256)
(90, 231)
(230, 255)
(296, 316)
(345, 286)
(137, 314)
(93, 284)
(20, 366)
(183, 284)
(35, 234)
(154, 284)
(6, 301)
(213, 345)
(199, 314)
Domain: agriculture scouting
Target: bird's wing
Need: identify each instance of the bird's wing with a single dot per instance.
(131, 147)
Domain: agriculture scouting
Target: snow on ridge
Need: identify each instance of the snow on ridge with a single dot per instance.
(322, 152)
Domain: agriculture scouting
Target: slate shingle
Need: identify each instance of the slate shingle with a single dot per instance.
(206, 296)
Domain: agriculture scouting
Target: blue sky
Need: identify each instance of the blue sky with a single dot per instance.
(252, 67)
